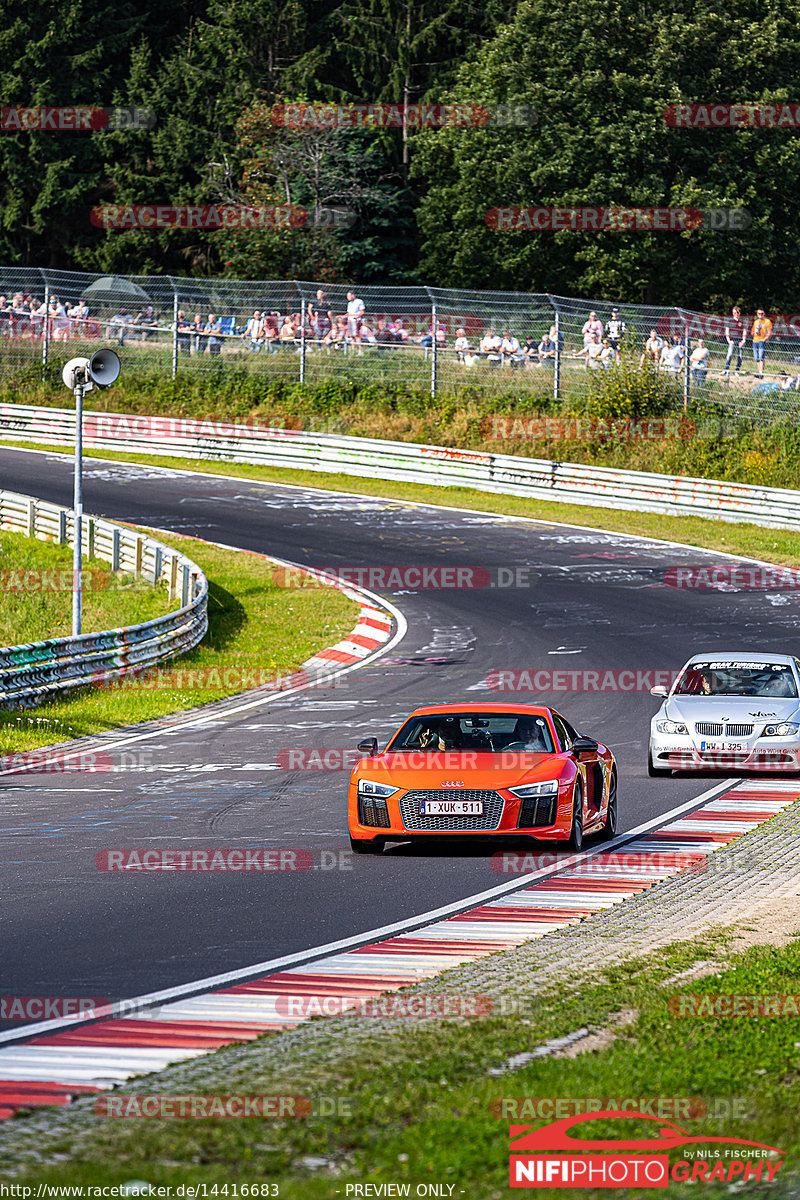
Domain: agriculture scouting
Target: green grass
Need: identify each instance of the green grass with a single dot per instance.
(258, 631)
(417, 1103)
(36, 593)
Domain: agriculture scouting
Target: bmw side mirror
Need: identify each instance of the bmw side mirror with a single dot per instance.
(368, 746)
(584, 745)
(659, 690)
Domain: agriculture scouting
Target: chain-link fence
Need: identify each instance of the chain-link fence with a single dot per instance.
(434, 339)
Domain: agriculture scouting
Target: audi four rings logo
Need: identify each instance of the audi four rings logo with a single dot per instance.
(453, 783)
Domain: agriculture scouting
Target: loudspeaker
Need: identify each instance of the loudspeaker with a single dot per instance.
(74, 372)
(104, 368)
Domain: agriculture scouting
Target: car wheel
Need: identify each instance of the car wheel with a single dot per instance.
(653, 771)
(609, 830)
(367, 846)
(576, 832)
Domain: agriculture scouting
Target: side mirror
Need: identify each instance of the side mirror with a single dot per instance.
(584, 745)
(368, 746)
(659, 690)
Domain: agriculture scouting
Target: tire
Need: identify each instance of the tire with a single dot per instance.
(609, 830)
(367, 846)
(576, 831)
(653, 771)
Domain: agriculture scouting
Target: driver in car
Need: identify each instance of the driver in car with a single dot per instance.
(528, 731)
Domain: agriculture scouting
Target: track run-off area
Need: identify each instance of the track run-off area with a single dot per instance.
(592, 615)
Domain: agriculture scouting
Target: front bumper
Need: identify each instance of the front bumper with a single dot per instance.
(693, 753)
(503, 816)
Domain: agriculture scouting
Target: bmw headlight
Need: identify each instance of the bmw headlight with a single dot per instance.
(548, 788)
(782, 729)
(671, 727)
(368, 787)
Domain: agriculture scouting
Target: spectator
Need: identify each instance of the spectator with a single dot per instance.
(531, 349)
(698, 361)
(546, 352)
(367, 333)
(383, 336)
(399, 330)
(615, 331)
(735, 336)
(672, 355)
(337, 338)
(511, 349)
(37, 315)
(490, 346)
(198, 345)
(288, 333)
(761, 333)
(355, 313)
(119, 325)
(590, 328)
(254, 331)
(146, 321)
(213, 331)
(462, 346)
(183, 331)
(320, 308)
(5, 317)
(272, 328)
(593, 350)
(557, 339)
(78, 316)
(59, 322)
(652, 350)
(608, 355)
(787, 382)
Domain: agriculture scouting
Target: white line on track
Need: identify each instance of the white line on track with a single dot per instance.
(372, 935)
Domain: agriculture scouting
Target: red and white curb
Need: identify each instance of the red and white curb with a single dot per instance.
(55, 1068)
(373, 630)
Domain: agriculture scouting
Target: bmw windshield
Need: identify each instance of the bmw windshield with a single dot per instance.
(736, 678)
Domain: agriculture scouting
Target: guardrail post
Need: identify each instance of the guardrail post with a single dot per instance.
(90, 538)
(116, 549)
(158, 556)
(185, 585)
(62, 527)
(173, 576)
(31, 531)
(138, 555)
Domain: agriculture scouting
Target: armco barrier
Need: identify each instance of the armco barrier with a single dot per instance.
(539, 479)
(31, 673)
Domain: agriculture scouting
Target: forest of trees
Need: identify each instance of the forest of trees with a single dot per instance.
(598, 74)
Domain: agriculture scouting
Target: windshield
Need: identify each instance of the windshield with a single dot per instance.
(488, 732)
(737, 679)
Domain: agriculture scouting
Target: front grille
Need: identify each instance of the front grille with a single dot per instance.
(372, 811)
(709, 728)
(738, 730)
(536, 811)
(492, 811)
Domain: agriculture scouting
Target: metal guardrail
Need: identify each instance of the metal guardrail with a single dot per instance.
(438, 466)
(31, 673)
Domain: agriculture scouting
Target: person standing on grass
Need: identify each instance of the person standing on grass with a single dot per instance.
(761, 333)
(736, 336)
(698, 361)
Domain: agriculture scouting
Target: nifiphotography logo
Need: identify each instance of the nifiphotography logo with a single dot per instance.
(552, 1157)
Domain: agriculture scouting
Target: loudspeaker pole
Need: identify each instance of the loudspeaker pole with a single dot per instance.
(77, 507)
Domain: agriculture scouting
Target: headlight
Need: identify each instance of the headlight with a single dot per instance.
(368, 787)
(671, 727)
(548, 788)
(783, 729)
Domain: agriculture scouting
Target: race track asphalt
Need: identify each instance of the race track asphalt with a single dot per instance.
(582, 600)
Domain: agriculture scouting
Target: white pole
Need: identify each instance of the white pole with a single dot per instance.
(77, 506)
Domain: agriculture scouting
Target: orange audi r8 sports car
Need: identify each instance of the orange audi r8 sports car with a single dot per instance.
(482, 770)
